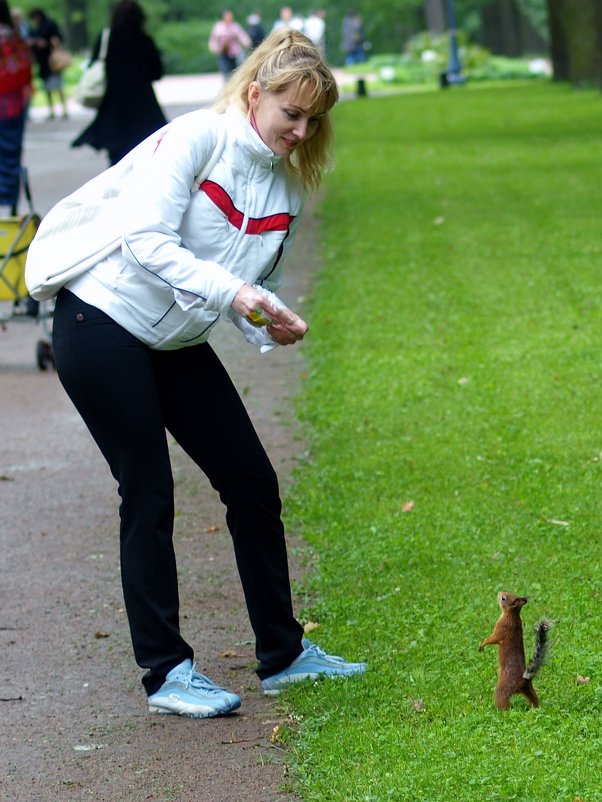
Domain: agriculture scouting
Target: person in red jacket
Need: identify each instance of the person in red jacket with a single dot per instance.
(15, 92)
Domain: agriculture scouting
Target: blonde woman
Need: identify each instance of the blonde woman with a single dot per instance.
(193, 226)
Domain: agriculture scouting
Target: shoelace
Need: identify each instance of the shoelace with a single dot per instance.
(195, 679)
(315, 651)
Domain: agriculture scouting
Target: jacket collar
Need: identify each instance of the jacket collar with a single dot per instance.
(248, 137)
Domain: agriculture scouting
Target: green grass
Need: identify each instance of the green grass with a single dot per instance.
(455, 362)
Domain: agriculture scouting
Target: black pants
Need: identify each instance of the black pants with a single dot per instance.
(128, 395)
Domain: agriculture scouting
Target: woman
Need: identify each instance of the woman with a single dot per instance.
(192, 225)
(15, 92)
(43, 36)
(129, 111)
(228, 41)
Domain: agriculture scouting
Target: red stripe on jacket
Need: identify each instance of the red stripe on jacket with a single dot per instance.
(255, 225)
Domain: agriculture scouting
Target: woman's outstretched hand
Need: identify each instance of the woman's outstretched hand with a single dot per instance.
(284, 326)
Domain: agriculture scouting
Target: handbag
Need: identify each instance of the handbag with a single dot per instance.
(60, 58)
(92, 86)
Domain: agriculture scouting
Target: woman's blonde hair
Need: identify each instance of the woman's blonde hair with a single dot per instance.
(288, 59)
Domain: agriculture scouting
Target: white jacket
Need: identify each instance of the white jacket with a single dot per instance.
(161, 255)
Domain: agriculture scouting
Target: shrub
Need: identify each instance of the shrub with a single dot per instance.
(184, 49)
(426, 56)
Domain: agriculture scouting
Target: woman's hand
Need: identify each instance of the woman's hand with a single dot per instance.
(285, 328)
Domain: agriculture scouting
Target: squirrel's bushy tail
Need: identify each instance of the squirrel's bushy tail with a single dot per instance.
(542, 647)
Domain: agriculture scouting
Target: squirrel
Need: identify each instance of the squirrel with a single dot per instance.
(514, 676)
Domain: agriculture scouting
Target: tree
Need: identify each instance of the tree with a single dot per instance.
(434, 15)
(558, 41)
(576, 41)
(76, 29)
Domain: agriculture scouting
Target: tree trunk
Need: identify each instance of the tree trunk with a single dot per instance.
(506, 30)
(599, 40)
(434, 16)
(559, 53)
(582, 37)
(576, 41)
(76, 13)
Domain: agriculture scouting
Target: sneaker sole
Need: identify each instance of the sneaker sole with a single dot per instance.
(293, 678)
(187, 711)
(309, 675)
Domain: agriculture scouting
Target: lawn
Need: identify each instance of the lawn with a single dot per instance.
(452, 411)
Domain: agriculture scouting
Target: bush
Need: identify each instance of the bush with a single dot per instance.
(501, 68)
(184, 49)
(426, 56)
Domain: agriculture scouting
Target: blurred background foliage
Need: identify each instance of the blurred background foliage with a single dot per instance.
(568, 32)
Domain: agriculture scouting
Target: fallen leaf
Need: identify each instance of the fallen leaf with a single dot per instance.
(100, 635)
(230, 653)
(213, 528)
(310, 626)
(407, 506)
(275, 733)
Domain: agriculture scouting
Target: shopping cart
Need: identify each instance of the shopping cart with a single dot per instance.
(16, 234)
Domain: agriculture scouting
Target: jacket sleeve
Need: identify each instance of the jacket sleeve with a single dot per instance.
(157, 197)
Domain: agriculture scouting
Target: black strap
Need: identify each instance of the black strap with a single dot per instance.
(26, 187)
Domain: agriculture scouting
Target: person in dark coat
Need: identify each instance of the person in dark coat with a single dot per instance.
(255, 30)
(44, 35)
(129, 111)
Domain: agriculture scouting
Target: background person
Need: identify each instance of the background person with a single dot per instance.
(315, 27)
(255, 30)
(15, 92)
(288, 19)
(353, 38)
(228, 41)
(19, 22)
(44, 33)
(205, 214)
(129, 111)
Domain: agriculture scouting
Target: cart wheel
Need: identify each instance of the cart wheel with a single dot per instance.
(44, 355)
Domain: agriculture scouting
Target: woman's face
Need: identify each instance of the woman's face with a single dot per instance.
(282, 119)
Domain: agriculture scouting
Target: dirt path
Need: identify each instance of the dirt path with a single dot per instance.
(73, 720)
